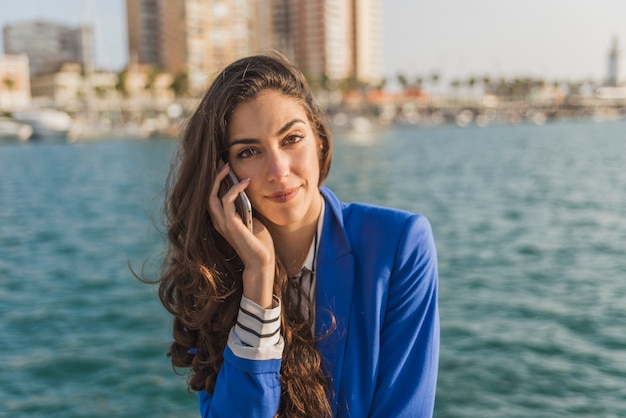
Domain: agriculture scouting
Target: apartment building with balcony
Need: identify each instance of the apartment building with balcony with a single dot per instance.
(330, 39)
(48, 44)
(196, 37)
(326, 39)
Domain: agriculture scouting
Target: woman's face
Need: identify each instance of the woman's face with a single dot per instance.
(272, 143)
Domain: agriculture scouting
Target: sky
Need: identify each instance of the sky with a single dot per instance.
(565, 40)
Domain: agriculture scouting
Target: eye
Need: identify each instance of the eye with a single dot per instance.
(293, 138)
(247, 153)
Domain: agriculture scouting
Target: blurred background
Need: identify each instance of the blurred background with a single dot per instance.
(503, 124)
(85, 68)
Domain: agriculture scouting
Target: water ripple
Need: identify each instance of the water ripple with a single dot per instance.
(530, 225)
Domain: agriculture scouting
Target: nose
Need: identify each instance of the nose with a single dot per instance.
(278, 165)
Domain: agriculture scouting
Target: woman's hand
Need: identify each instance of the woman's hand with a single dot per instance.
(255, 250)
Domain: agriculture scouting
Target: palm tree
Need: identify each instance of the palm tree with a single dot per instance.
(455, 85)
(402, 80)
(349, 84)
(120, 84)
(471, 82)
(9, 83)
(180, 84)
(574, 87)
(486, 84)
(151, 78)
(101, 91)
(434, 79)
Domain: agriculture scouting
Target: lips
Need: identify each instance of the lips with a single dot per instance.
(284, 196)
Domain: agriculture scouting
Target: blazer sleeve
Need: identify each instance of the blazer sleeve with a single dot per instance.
(244, 388)
(409, 352)
(248, 383)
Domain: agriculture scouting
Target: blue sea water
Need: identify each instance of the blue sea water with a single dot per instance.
(530, 226)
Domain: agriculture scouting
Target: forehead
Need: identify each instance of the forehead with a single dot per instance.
(265, 114)
(270, 99)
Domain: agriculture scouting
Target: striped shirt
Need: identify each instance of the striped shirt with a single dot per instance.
(256, 335)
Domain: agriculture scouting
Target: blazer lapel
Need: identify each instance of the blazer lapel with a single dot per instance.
(334, 281)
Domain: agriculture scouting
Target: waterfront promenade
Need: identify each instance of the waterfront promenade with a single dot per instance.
(158, 112)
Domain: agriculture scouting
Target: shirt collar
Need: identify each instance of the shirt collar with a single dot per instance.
(310, 258)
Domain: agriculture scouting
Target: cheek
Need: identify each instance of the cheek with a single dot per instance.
(255, 193)
(314, 163)
(244, 169)
(319, 156)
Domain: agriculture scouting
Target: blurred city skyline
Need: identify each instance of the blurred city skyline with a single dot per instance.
(552, 39)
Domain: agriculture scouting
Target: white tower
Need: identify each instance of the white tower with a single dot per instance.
(613, 75)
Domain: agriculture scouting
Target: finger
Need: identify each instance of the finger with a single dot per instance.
(223, 210)
(215, 206)
(235, 189)
(214, 200)
(229, 201)
(219, 177)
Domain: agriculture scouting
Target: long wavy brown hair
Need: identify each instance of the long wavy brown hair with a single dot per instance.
(201, 282)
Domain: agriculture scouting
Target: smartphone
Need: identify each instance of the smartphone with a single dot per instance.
(242, 203)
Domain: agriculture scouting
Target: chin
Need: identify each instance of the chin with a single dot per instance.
(283, 217)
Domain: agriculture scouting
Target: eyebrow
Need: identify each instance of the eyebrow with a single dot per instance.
(288, 126)
(281, 131)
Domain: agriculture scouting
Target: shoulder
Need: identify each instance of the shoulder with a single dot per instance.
(377, 226)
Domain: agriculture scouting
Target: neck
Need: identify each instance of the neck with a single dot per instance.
(292, 242)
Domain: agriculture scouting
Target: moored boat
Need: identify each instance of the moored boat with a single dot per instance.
(10, 129)
(46, 123)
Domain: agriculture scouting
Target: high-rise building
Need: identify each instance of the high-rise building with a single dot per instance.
(144, 32)
(367, 47)
(281, 27)
(196, 37)
(327, 39)
(48, 45)
(332, 39)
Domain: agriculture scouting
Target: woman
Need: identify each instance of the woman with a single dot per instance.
(322, 308)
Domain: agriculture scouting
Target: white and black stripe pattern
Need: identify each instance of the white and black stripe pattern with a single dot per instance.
(256, 335)
(258, 327)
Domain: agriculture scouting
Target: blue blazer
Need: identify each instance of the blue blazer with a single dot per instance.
(377, 274)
